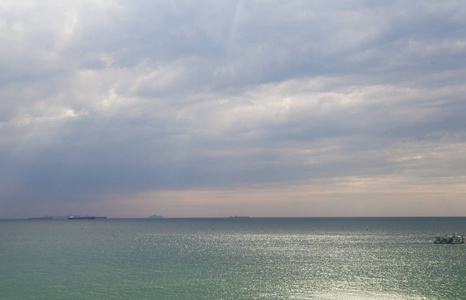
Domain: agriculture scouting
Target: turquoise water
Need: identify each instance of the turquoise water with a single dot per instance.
(309, 258)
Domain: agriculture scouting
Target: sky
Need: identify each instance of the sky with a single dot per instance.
(216, 108)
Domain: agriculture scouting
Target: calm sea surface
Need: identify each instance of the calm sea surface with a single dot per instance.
(308, 258)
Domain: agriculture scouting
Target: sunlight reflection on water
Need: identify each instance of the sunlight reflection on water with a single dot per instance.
(271, 259)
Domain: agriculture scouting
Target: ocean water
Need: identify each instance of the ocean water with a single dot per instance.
(296, 258)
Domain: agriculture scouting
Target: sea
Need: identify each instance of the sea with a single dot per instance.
(231, 258)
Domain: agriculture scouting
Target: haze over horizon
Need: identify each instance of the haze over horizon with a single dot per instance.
(218, 108)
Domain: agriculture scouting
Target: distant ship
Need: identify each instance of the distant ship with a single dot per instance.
(449, 239)
(85, 218)
(239, 217)
(155, 217)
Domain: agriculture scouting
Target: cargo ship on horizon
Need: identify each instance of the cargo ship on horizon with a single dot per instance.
(85, 217)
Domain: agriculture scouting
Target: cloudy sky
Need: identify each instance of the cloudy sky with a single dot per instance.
(216, 108)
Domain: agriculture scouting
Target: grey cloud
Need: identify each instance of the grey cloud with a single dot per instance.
(127, 97)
